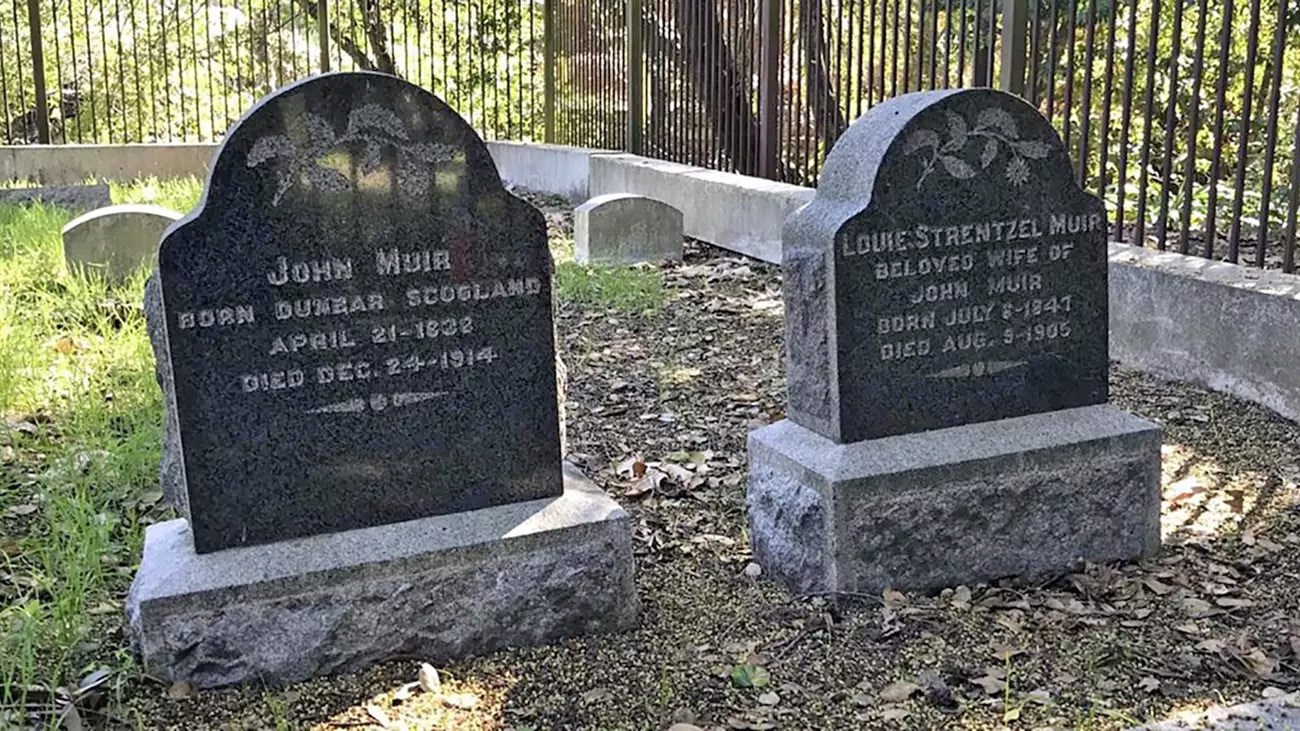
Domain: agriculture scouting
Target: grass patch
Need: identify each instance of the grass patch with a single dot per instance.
(179, 194)
(628, 289)
(79, 451)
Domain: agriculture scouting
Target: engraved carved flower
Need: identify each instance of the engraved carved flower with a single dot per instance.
(993, 133)
(1018, 171)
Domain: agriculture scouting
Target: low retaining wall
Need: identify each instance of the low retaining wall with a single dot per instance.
(73, 164)
(555, 169)
(1232, 328)
(736, 212)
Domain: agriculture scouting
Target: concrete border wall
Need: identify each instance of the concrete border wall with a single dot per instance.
(1232, 328)
(736, 212)
(73, 164)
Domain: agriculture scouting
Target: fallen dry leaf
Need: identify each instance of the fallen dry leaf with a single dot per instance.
(463, 701)
(378, 714)
(180, 690)
(1149, 684)
(429, 679)
(769, 699)
(894, 713)
(898, 691)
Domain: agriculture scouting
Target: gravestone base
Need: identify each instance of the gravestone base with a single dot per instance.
(1027, 496)
(438, 588)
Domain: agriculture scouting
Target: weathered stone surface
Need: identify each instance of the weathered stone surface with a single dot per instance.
(1016, 497)
(948, 271)
(358, 321)
(116, 240)
(1271, 714)
(440, 587)
(171, 471)
(621, 228)
(76, 198)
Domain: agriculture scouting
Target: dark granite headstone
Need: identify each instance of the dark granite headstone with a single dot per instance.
(75, 198)
(949, 271)
(358, 321)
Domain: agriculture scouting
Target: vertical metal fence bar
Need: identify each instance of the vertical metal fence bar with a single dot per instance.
(1193, 128)
(907, 47)
(1171, 118)
(38, 72)
(58, 72)
(1067, 116)
(1035, 34)
(1112, 26)
(1014, 25)
(1051, 63)
(1085, 114)
(323, 33)
(1211, 211)
(1276, 61)
(635, 74)
(1243, 135)
(1288, 237)
(1148, 107)
(1126, 118)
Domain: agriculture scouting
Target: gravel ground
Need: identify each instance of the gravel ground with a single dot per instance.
(658, 406)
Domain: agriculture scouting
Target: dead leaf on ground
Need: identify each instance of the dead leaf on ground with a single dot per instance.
(1006, 652)
(1149, 684)
(463, 701)
(894, 713)
(180, 690)
(898, 691)
(429, 679)
(378, 714)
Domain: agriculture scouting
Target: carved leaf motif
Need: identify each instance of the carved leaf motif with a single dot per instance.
(372, 158)
(319, 132)
(999, 119)
(957, 167)
(431, 152)
(372, 117)
(957, 131)
(919, 139)
(271, 147)
(1032, 149)
(326, 180)
(989, 154)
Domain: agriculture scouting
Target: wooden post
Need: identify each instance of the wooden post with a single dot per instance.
(635, 78)
(323, 29)
(548, 69)
(1015, 25)
(38, 72)
(769, 91)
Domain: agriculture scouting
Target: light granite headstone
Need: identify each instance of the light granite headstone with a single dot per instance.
(946, 315)
(355, 343)
(621, 228)
(117, 240)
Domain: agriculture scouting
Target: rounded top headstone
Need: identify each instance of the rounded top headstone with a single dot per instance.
(949, 270)
(357, 321)
(116, 240)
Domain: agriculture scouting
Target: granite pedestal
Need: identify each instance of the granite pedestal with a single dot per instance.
(439, 588)
(1025, 496)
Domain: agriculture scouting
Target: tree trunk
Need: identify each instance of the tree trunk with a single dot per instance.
(719, 86)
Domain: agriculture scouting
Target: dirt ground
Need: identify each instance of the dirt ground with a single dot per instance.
(658, 406)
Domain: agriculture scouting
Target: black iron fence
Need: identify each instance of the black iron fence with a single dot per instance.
(1183, 114)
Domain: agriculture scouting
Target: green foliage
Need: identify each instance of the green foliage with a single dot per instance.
(177, 70)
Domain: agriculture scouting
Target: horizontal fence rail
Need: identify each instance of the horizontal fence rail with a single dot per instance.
(1184, 115)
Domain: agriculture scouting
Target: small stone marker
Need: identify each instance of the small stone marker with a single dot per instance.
(355, 342)
(946, 332)
(116, 240)
(621, 228)
(76, 198)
